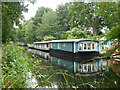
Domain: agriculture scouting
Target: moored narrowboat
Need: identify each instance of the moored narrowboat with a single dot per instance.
(75, 45)
(41, 45)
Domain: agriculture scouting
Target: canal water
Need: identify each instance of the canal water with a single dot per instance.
(70, 72)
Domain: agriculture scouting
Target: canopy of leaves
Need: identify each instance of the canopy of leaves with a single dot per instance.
(113, 34)
(76, 33)
(11, 13)
(48, 26)
(93, 15)
(48, 38)
(20, 35)
(63, 17)
(40, 12)
(30, 32)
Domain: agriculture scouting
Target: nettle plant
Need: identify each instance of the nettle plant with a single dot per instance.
(15, 67)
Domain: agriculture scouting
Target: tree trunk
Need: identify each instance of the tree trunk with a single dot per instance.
(94, 26)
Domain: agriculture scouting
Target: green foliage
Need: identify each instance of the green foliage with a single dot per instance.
(108, 11)
(48, 38)
(113, 34)
(108, 53)
(40, 12)
(11, 13)
(49, 25)
(14, 67)
(76, 33)
(20, 35)
(30, 32)
(63, 17)
(95, 15)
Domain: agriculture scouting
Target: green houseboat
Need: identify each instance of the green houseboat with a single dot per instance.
(75, 45)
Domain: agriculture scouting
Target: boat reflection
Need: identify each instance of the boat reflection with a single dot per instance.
(83, 67)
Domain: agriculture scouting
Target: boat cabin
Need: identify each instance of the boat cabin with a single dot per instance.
(41, 45)
(75, 45)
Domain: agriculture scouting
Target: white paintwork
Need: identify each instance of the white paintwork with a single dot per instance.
(87, 46)
(70, 40)
(74, 47)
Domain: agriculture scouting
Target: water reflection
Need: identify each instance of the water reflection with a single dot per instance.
(93, 72)
(82, 67)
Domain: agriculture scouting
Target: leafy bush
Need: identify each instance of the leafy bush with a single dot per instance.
(14, 67)
(76, 33)
(47, 38)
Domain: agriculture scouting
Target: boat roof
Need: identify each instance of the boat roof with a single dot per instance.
(71, 40)
(43, 42)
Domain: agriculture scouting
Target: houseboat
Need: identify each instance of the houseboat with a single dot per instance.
(41, 45)
(30, 45)
(75, 45)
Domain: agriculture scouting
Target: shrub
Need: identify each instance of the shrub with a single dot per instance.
(14, 67)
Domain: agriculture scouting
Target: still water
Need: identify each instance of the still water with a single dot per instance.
(76, 72)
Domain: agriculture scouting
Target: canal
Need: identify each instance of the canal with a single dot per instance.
(55, 70)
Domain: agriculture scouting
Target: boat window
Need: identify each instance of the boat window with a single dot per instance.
(58, 45)
(64, 44)
(89, 68)
(85, 68)
(85, 46)
(80, 67)
(54, 44)
(93, 46)
(80, 46)
(93, 68)
(89, 46)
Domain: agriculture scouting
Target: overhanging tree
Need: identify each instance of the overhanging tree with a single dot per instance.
(11, 13)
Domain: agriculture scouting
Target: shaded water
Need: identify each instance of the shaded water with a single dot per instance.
(65, 73)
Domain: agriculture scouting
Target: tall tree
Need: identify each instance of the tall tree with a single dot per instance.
(30, 33)
(20, 35)
(11, 13)
(40, 12)
(108, 11)
(49, 25)
(63, 17)
(83, 15)
(93, 15)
